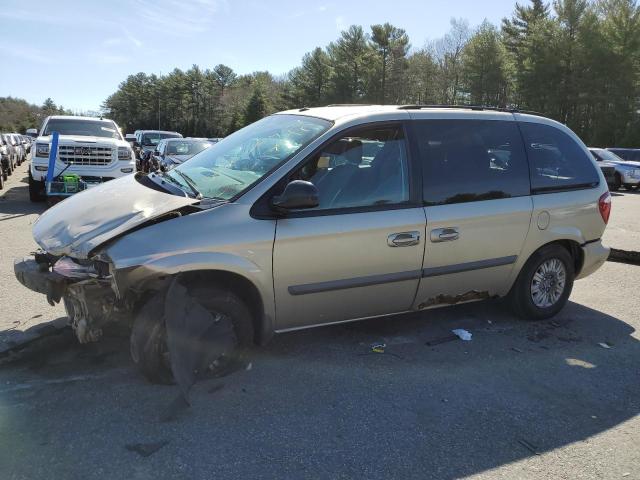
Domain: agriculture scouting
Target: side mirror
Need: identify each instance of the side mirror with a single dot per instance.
(297, 194)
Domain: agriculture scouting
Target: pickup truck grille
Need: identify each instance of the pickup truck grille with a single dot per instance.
(85, 155)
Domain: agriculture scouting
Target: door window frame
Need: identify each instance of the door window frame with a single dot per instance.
(262, 210)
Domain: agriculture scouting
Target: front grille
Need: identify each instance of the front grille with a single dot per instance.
(85, 155)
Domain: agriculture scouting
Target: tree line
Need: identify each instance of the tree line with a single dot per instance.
(577, 61)
(16, 114)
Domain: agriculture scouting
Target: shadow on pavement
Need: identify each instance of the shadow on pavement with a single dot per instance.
(14, 200)
(320, 404)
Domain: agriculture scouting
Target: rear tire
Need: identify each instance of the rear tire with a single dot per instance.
(544, 284)
(149, 335)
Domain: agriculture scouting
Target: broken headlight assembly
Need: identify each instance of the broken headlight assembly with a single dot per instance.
(70, 268)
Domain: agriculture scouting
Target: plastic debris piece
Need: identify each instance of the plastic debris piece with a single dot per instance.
(462, 334)
(378, 347)
(605, 345)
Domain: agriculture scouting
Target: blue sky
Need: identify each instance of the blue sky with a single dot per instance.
(77, 52)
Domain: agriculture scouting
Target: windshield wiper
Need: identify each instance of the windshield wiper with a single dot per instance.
(191, 184)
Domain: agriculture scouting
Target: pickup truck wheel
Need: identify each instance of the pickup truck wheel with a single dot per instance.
(544, 284)
(35, 190)
(617, 183)
(149, 335)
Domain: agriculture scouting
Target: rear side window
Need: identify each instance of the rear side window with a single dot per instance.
(471, 160)
(556, 161)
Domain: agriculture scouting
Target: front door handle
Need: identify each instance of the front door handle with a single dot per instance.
(448, 234)
(404, 239)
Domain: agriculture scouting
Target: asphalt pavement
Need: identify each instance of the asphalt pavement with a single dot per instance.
(557, 399)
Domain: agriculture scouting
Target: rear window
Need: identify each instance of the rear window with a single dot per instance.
(556, 161)
(471, 160)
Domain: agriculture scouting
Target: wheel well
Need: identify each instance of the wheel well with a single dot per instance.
(574, 250)
(239, 285)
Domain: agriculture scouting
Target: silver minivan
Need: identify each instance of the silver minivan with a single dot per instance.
(326, 215)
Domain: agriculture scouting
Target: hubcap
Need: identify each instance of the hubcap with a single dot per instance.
(548, 283)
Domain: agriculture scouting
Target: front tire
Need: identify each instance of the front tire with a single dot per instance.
(35, 190)
(149, 335)
(544, 284)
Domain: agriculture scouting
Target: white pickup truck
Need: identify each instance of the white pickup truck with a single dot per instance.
(92, 148)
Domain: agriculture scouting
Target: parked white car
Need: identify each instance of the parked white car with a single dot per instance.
(92, 148)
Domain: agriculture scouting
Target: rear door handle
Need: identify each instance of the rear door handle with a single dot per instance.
(404, 239)
(448, 234)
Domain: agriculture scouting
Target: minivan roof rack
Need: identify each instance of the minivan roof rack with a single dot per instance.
(470, 107)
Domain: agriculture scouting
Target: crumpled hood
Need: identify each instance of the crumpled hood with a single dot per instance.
(87, 219)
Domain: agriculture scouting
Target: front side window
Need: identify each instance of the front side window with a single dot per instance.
(364, 168)
(85, 128)
(556, 161)
(471, 160)
(237, 162)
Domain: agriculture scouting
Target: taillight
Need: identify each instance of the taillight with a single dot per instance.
(604, 204)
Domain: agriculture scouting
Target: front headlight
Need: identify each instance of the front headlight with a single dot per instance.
(124, 153)
(42, 150)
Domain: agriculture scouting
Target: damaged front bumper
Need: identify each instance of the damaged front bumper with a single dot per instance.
(90, 301)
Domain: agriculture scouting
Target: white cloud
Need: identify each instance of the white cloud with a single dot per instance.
(107, 59)
(178, 18)
(341, 23)
(134, 40)
(112, 42)
(26, 53)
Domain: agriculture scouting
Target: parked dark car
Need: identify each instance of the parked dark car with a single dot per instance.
(171, 152)
(629, 154)
(146, 142)
(10, 153)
